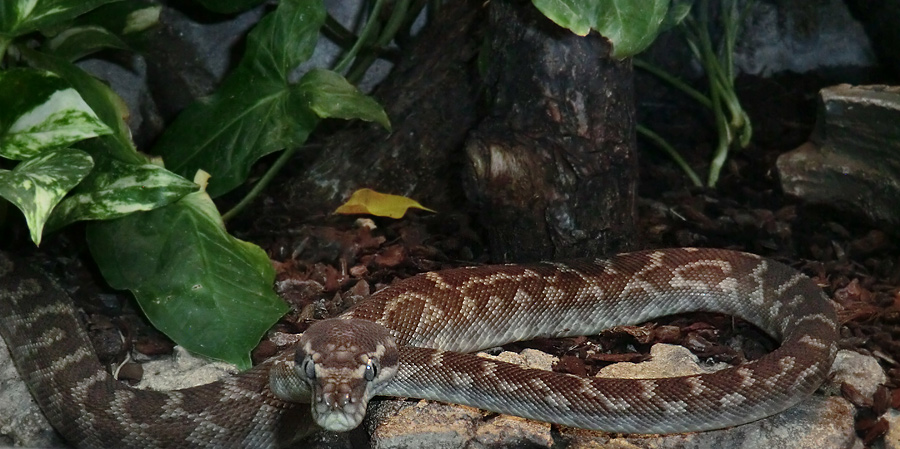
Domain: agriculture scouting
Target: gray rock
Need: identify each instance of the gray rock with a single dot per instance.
(892, 437)
(860, 371)
(182, 370)
(852, 161)
(801, 37)
(665, 361)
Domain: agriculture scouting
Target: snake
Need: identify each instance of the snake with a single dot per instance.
(414, 339)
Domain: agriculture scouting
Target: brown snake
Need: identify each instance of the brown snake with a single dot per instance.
(347, 360)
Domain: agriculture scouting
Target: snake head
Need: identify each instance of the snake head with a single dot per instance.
(345, 362)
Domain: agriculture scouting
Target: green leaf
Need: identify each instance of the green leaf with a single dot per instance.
(115, 189)
(78, 42)
(256, 111)
(36, 185)
(677, 12)
(205, 289)
(631, 26)
(576, 15)
(331, 95)
(228, 6)
(246, 119)
(42, 111)
(18, 17)
(110, 108)
(123, 18)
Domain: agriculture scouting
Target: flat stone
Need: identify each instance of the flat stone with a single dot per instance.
(852, 160)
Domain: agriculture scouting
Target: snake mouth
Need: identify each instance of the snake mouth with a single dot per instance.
(340, 406)
(339, 421)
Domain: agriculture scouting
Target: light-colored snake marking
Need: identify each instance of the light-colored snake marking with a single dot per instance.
(347, 360)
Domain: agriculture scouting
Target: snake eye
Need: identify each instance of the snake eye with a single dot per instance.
(371, 370)
(309, 368)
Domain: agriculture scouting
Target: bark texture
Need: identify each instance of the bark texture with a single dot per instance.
(553, 166)
(430, 99)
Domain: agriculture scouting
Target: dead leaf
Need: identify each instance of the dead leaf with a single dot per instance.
(368, 201)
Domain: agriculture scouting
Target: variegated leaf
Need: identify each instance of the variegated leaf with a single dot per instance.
(18, 17)
(42, 111)
(77, 42)
(35, 186)
(116, 189)
(108, 106)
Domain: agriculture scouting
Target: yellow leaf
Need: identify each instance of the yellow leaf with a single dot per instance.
(368, 201)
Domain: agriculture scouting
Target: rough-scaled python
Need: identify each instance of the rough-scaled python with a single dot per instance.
(347, 360)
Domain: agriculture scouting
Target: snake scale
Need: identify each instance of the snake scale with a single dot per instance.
(381, 347)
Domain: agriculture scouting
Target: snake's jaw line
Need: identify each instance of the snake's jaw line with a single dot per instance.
(343, 364)
(339, 411)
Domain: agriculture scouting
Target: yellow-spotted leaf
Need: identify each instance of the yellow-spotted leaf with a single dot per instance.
(368, 201)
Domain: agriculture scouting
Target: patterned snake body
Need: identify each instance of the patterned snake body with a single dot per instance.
(452, 311)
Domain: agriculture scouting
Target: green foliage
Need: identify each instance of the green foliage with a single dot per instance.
(151, 231)
(631, 26)
(228, 6)
(207, 290)
(18, 17)
(262, 110)
(42, 112)
(37, 184)
(330, 95)
(256, 111)
(76, 43)
(733, 126)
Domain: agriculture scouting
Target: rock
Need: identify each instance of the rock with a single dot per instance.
(529, 358)
(815, 423)
(665, 361)
(852, 161)
(397, 424)
(861, 372)
(801, 37)
(892, 437)
(182, 370)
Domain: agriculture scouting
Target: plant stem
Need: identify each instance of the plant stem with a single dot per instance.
(359, 67)
(672, 152)
(337, 33)
(710, 63)
(4, 44)
(371, 25)
(276, 167)
(362, 63)
(394, 23)
(675, 82)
